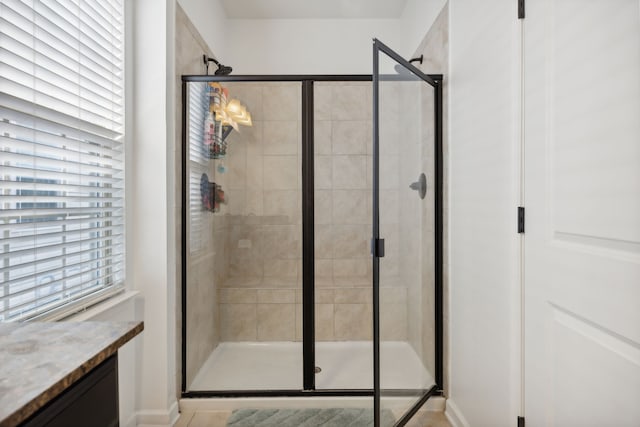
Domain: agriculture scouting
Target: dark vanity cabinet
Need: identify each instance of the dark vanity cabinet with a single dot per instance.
(91, 402)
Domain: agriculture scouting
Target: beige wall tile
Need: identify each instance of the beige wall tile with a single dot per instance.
(281, 283)
(389, 207)
(236, 201)
(254, 203)
(393, 243)
(249, 95)
(241, 235)
(322, 137)
(246, 268)
(236, 162)
(349, 137)
(351, 103)
(353, 295)
(390, 169)
(393, 322)
(351, 241)
(281, 102)
(283, 205)
(322, 101)
(237, 296)
(280, 172)
(389, 267)
(238, 322)
(280, 137)
(349, 172)
(323, 241)
(281, 268)
(322, 296)
(276, 322)
(255, 170)
(393, 295)
(323, 207)
(353, 322)
(276, 296)
(351, 268)
(324, 326)
(282, 242)
(351, 206)
(323, 268)
(323, 172)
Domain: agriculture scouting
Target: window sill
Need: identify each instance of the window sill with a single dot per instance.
(81, 314)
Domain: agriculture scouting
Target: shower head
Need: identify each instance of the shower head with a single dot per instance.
(222, 70)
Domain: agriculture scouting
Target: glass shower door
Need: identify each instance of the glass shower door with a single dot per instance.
(406, 236)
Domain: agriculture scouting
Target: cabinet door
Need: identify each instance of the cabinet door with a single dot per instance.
(582, 194)
(91, 402)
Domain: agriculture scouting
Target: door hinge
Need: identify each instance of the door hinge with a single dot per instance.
(520, 219)
(520, 421)
(377, 247)
(520, 9)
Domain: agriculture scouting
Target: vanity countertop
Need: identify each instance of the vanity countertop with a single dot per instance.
(40, 360)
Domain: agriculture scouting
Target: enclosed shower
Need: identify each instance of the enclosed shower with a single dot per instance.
(312, 230)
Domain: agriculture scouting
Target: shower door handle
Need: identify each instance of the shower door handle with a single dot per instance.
(420, 185)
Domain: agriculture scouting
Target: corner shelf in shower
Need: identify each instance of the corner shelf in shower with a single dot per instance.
(222, 144)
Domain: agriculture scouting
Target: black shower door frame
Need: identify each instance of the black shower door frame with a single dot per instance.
(377, 241)
(308, 256)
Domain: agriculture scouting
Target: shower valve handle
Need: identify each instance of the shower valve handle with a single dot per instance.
(420, 185)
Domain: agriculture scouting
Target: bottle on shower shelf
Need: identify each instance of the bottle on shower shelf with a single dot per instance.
(209, 130)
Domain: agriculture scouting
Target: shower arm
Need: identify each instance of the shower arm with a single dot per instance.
(206, 60)
(418, 59)
(222, 69)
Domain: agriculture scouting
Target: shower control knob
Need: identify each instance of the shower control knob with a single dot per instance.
(420, 185)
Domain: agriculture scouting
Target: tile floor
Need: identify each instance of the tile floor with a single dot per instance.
(219, 419)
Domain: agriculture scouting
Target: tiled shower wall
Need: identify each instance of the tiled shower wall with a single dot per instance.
(261, 298)
(435, 48)
(207, 264)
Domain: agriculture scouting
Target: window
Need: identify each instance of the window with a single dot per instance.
(61, 154)
(198, 162)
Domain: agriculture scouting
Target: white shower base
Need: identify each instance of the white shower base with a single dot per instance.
(278, 366)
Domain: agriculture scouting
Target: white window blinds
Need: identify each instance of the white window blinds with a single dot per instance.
(198, 103)
(61, 153)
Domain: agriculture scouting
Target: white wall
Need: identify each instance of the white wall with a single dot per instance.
(306, 46)
(147, 368)
(484, 286)
(151, 260)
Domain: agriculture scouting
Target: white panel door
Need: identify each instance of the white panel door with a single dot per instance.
(582, 198)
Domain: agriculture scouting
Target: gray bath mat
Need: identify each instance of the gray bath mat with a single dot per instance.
(325, 417)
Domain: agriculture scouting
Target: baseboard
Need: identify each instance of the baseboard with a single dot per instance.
(131, 422)
(159, 418)
(455, 417)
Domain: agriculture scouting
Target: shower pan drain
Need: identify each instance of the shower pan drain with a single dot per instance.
(317, 369)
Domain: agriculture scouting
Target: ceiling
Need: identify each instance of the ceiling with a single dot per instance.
(313, 9)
